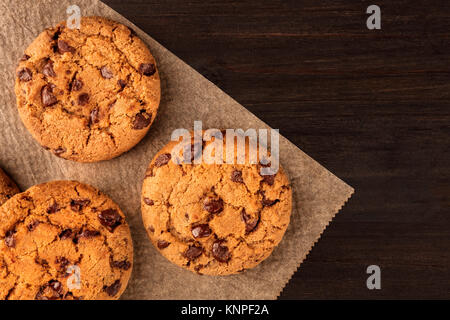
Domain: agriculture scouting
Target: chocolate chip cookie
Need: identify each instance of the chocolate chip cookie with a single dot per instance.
(89, 94)
(7, 187)
(63, 240)
(214, 219)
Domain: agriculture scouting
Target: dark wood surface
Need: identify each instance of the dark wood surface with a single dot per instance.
(371, 106)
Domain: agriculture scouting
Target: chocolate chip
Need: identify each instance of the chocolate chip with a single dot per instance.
(76, 85)
(236, 176)
(25, 57)
(142, 120)
(268, 203)
(48, 69)
(151, 229)
(124, 265)
(213, 205)
(87, 234)
(53, 208)
(269, 179)
(201, 231)
(94, 117)
(147, 69)
(25, 74)
(250, 224)
(78, 204)
(10, 240)
(56, 34)
(59, 151)
(106, 73)
(63, 46)
(193, 252)
(162, 159)
(41, 262)
(148, 202)
(33, 225)
(122, 84)
(113, 289)
(66, 234)
(110, 218)
(48, 98)
(220, 251)
(83, 99)
(63, 262)
(163, 244)
(51, 291)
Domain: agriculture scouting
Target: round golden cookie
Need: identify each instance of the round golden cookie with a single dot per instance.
(89, 94)
(214, 219)
(7, 187)
(63, 240)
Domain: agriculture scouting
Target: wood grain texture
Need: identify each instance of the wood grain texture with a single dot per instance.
(371, 106)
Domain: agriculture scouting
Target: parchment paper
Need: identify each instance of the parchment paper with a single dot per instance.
(186, 96)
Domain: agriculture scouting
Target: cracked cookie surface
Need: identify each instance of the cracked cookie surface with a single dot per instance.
(57, 233)
(7, 187)
(214, 219)
(89, 94)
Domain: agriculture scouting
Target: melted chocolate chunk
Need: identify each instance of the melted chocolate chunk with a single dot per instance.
(268, 202)
(76, 85)
(269, 179)
(122, 84)
(193, 252)
(65, 234)
(113, 289)
(147, 69)
(142, 120)
(201, 231)
(213, 205)
(48, 69)
(63, 262)
(53, 290)
(163, 244)
(110, 219)
(162, 159)
(236, 176)
(148, 202)
(78, 204)
(220, 251)
(59, 151)
(106, 73)
(83, 99)
(25, 74)
(53, 208)
(47, 96)
(10, 240)
(94, 116)
(63, 46)
(250, 224)
(124, 265)
(87, 234)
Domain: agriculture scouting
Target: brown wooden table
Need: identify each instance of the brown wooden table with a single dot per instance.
(372, 106)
